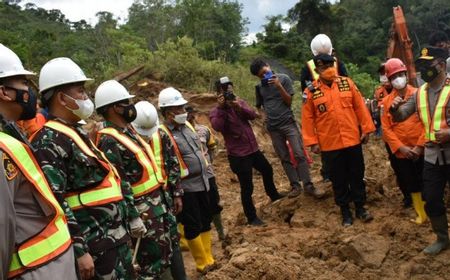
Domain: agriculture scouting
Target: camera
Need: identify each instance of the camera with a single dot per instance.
(267, 76)
(228, 95)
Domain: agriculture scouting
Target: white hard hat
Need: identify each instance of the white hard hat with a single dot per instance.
(321, 44)
(169, 97)
(10, 64)
(60, 71)
(147, 121)
(224, 80)
(109, 92)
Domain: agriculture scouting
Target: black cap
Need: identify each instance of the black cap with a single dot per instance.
(431, 53)
(322, 59)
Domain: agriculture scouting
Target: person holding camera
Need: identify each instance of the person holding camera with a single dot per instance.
(231, 117)
(275, 92)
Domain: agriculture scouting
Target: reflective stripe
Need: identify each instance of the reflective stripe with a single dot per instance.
(107, 191)
(159, 157)
(184, 171)
(54, 239)
(149, 180)
(439, 118)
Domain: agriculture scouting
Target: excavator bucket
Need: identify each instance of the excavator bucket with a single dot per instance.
(400, 45)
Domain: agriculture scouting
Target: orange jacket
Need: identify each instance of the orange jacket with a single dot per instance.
(332, 117)
(380, 93)
(407, 133)
(33, 125)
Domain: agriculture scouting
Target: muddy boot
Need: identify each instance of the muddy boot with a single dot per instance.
(296, 191)
(419, 206)
(440, 228)
(347, 219)
(217, 221)
(177, 264)
(362, 214)
(313, 191)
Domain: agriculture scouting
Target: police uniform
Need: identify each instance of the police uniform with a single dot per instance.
(90, 192)
(36, 241)
(141, 174)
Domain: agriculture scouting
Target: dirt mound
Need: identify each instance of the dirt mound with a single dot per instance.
(304, 238)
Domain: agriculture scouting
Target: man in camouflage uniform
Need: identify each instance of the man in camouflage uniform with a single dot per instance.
(112, 101)
(98, 206)
(147, 125)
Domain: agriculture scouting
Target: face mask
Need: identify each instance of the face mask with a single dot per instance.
(27, 100)
(85, 108)
(399, 82)
(129, 113)
(383, 79)
(329, 74)
(180, 118)
(429, 73)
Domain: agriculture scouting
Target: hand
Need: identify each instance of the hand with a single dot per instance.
(137, 228)
(443, 135)
(417, 151)
(315, 149)
(178, 205)
(221, 100)
(397, 102)
(234, 104)
(275, 81)
(86, 266)
(364, 138)
(407, 152)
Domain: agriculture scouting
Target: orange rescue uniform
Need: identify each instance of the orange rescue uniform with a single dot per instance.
(332, 116)
(397, 134)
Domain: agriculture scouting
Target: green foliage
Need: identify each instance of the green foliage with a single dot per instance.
(364, 81)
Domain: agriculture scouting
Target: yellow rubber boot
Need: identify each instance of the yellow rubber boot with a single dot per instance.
(198, 252)
(419, 204)
(206, 240)
(183, 243)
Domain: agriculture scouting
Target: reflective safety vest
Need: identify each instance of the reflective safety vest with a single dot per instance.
(312, 68)
(149, 181)
(54, 239)
(107, 191)
(439, 120)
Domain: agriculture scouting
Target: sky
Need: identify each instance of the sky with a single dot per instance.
(75, 10)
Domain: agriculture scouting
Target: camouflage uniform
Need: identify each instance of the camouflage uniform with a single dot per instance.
(98, 230)
(155, 248)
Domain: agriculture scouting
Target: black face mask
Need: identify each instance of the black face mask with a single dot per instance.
(27, 100)
(429, 73)
(129, 113)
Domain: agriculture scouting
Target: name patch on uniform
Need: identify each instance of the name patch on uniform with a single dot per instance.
(322, 108)
(11, 170)
(317, 94)
(343, 85)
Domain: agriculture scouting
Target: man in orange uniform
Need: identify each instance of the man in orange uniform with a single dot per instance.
(332, 117)
(405, 140)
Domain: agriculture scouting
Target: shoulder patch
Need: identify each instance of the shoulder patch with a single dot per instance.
(322, 107)
(11, 170)
(343, 84)
(316, 94)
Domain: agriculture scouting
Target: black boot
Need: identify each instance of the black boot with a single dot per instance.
(362, 214)
(440, 228)
(347, 219)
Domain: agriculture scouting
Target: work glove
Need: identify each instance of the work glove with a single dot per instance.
(137, 228)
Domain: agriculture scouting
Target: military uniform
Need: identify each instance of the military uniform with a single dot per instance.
(29, 214)
(98, 230)
(155, 248)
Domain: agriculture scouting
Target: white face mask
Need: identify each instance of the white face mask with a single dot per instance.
(180, 118)
(383, 79)
(399, 82)
(85, 108)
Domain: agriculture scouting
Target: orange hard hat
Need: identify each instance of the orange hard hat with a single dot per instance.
(394, 66)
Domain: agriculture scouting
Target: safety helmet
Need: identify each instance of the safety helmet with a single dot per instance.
(60, 71)
(10, 64)
(110, 92)
(147, 121)
(321, 44)
(394, 66)
(170, 97)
